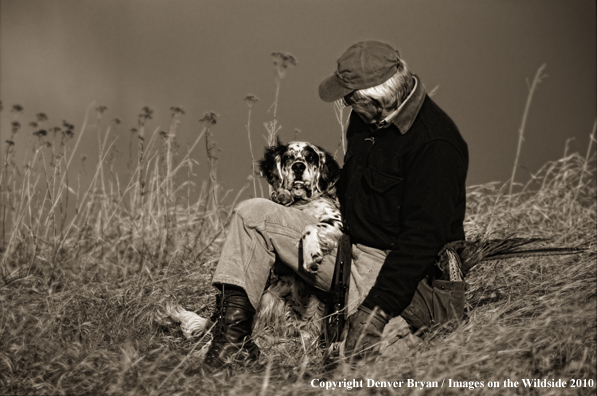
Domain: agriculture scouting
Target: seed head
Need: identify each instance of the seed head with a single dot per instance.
(209, 118)
(15, 126)
(250, 99)
(284, 59)
(68, 126)
(146, 114)
(176, 110)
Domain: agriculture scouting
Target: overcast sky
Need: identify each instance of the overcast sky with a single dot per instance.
(58, 56)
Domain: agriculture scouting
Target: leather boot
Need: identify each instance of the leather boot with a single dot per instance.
(231, 339)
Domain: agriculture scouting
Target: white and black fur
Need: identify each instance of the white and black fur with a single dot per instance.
(304, 176)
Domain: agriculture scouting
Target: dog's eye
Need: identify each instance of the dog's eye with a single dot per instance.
(312, 158)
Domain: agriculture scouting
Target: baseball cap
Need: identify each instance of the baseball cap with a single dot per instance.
(363, 65)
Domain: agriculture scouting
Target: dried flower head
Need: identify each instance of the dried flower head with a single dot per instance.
(68, 126)
(116, 121)
(41, 133)
(146, 114)
(15, 126)
(282, 61)
(33, 124)
(250, 99)
(209, 118)
(68, 133)
(41, 117)
(17, 109)
(176, 110)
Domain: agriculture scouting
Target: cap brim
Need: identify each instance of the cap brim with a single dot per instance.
(330, 90)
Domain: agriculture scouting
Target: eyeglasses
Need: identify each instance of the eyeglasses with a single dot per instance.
(349, 100)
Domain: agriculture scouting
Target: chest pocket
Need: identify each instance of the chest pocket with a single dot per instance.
(383, 197)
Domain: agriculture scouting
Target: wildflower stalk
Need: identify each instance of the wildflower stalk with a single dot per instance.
(339, 110)
(145, 115)
(538, 76)
(70, 128)
(208, 120)
(583, 169)
(282, 61)
(249, 100)
(4, 176)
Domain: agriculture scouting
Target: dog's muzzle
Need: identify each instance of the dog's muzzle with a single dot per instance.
(299, 169)
(300, 186)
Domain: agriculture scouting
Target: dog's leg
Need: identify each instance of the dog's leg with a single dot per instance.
(272, 311)
(318, 240)
(312, 254)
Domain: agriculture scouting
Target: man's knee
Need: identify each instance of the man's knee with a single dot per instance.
(256, 210)
(254, 205)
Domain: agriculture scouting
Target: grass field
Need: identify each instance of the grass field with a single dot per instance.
(86, 271)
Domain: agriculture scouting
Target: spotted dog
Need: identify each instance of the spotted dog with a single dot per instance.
(304, 176)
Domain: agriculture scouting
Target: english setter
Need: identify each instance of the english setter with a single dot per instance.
(303, 176)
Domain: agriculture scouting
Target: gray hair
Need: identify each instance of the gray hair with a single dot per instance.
(392, 92)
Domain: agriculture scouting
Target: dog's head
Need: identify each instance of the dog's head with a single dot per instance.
(298, 171)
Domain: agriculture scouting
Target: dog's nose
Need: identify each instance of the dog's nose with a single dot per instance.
(298, 167)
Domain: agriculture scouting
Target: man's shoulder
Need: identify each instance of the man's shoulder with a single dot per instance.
(433, 124)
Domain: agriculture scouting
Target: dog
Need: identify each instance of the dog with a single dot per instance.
(304, 176)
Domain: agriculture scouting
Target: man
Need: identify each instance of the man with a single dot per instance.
(402, 188)
(402, 194)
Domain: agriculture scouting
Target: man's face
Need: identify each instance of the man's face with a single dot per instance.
(369, 110)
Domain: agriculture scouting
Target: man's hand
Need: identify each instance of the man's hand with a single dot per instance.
(364, 333)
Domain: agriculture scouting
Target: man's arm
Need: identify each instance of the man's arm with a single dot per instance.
(434, 181)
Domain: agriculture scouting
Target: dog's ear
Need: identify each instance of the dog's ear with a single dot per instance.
(270, 164)
(330, 172)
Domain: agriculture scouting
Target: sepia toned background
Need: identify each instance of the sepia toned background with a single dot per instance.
(59, 56)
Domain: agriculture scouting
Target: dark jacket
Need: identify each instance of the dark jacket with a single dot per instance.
(402, 189)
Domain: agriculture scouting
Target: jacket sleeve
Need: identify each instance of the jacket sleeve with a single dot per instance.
(434, 179)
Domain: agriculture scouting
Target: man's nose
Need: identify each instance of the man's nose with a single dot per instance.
(298, 167)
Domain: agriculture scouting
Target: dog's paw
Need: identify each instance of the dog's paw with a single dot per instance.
(312, 255)
(282, 196)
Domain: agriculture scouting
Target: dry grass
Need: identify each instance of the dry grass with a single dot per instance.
(82, 292)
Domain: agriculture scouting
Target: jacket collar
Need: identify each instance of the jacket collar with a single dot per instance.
(404, 116)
